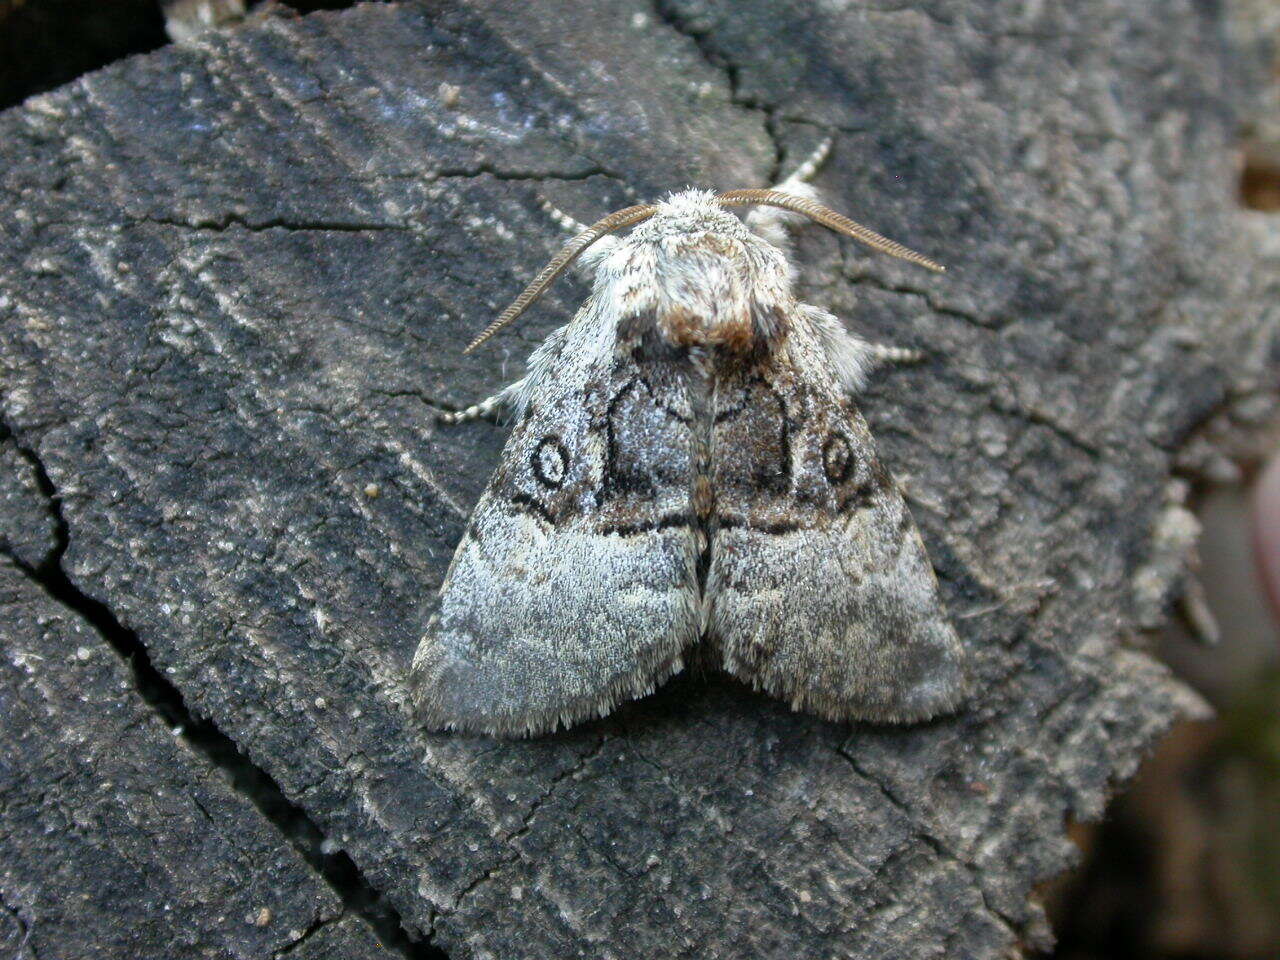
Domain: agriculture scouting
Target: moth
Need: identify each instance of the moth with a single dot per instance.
(688, 470)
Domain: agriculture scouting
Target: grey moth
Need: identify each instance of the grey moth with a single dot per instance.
(688, 470)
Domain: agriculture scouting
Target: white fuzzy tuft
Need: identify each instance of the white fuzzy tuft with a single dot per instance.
(851, 357)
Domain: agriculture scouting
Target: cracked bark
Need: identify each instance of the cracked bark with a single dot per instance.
(239, 273)
(170, 862)
(115, 840)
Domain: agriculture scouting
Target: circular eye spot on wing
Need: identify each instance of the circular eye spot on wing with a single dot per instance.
(837, 458)
(550, 462)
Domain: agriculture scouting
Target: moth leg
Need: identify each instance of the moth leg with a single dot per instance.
(514, 397)
(489, 406)
(852, 358)
(857, 359)
(585, 265)
(882, 354)
(773, 223)
(562, 219)
(809, 169)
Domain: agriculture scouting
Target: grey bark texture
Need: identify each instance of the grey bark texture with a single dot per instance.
(235, 283)
(118, 842)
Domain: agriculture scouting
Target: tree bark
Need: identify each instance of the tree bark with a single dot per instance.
(236, 281)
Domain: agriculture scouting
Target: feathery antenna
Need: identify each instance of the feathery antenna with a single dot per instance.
(828, 218)
(615, 221)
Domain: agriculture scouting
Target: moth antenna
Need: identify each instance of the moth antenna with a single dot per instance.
(626, 217)
(828, 218)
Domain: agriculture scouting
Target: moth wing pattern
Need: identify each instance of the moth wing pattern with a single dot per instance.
(820, 590)
(575, 585)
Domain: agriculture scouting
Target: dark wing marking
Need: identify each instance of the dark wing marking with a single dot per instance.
(819, 589)
(575, 586)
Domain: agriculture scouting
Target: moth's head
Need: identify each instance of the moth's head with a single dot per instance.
(697, 277)
(695, 269)
(687, 217)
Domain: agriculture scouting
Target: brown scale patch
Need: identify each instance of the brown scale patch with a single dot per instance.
(738, 336)
(683, 328)
(704, 498)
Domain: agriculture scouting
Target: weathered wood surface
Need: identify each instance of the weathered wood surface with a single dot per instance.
(234, 287)
(115, 839)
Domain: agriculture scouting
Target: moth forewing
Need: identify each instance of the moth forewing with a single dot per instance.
(574, 586)
(819, 590)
